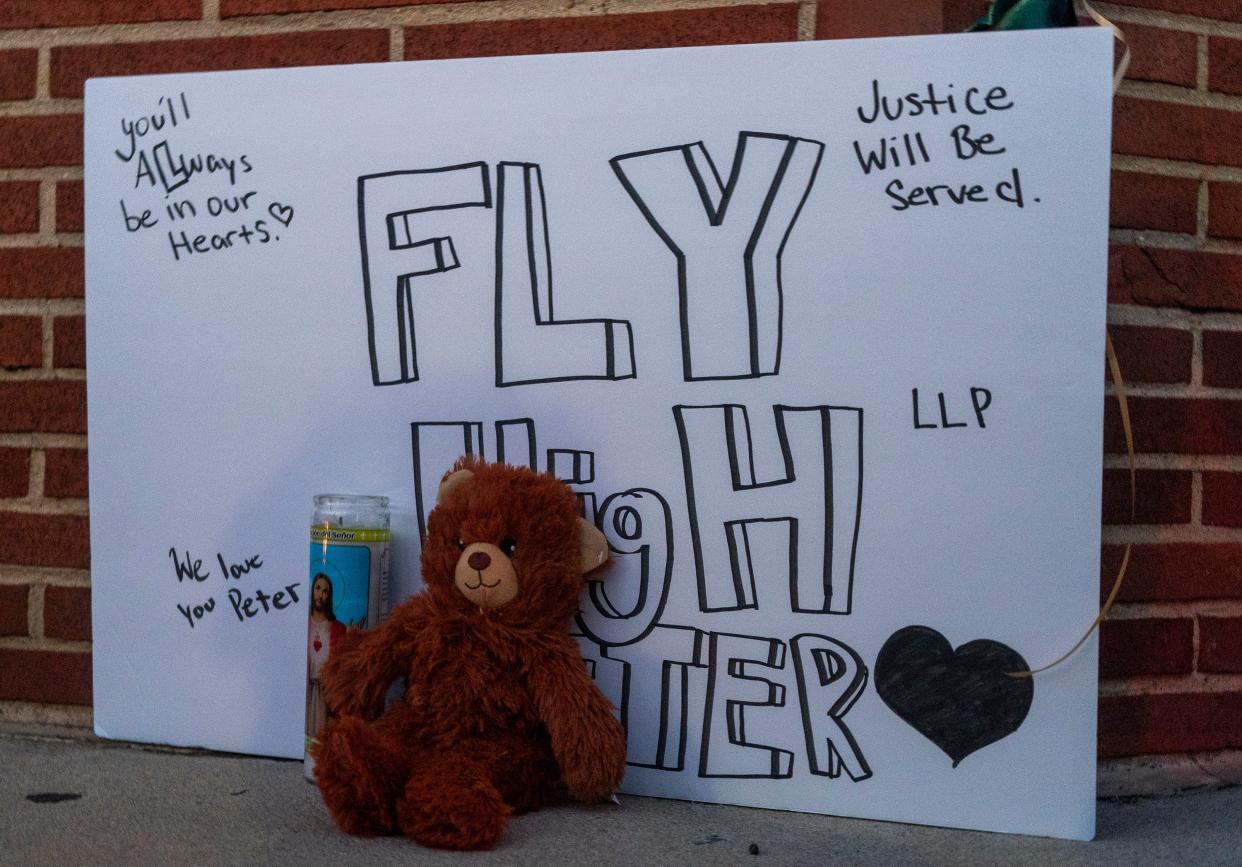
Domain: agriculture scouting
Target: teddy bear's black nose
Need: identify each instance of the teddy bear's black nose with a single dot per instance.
(479, 561)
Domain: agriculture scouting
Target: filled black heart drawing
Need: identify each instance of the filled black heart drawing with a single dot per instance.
(284, 213)
(959, 700)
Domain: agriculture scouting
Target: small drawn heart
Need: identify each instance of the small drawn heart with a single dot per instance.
(318, 645)
(961, 700)
(284, 213)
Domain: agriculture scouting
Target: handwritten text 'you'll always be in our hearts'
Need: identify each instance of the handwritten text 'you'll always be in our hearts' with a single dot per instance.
(207, 200)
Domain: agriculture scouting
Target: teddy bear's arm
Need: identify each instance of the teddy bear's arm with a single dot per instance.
(587, 739)
(361, 668)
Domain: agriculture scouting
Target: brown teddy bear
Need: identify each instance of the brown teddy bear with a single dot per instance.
(499, 712)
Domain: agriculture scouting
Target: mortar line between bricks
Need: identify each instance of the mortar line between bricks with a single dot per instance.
(807, 19)
(211, 10)
(34, 611)
(1168, 20)
(1188, 463)
(39, 306)
(1175, 168)
(65, 716)
(1166, 534)
(1197, 682)
(1188, 391)
(41, 107)
(1201, 63)
(44, 374)
(1202, 205)
(52, 173)
(73, 507)
(1159, 92)
(1172, 241)
(1196, 357)
(348, 19)
(38, 472)
(1172, 317)
(396, 43)
(1194, 644)
(44, 575)
(1175, 610)
(1196, 498)
(64, 239)
(42, 440)
(47, 209)
(43, 73)
(13, 642)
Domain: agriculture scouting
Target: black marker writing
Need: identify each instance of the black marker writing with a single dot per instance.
(245, 607)
(189, 569)
(171, 111)
(914, 103)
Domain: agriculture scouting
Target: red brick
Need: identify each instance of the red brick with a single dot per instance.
(1135, 725)
(233, 8)
(1163, 497)
(1225, 64)
(847, 19)
(14, 472)
(45, 140)
(1174, 572)
(1224, 210)
(1174, 278)
(69, 206)
(64, 13)
(69, 341)
(1148, 128)
(18, 69)
(67, 613)
(1220, 645)
(1147, 354)
(1174, 425)
(21, 342)
(1223, 10)
(1156, 54)
(41, 272)
(45, 540)
(1133, 648)
(13, 604)
(45, 676)
(1222, 359)
(734, 24)
(1141, 201)
(49, 406)
(19, 206)
(64, 473)
(73, 64)
(1222, 499)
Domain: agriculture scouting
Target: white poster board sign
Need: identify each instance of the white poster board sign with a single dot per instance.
(816, 330)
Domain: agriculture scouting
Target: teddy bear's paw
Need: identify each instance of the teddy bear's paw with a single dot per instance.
(457, 808)
(355, 788)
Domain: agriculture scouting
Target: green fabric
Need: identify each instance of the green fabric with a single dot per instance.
(1026, 15)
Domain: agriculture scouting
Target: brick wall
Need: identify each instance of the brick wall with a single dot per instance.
(1171, 659)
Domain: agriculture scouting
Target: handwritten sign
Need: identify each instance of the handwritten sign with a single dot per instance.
(814, 330)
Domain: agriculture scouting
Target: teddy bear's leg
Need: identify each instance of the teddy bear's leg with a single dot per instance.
(450, 803)
(522, 769)
(359, 775)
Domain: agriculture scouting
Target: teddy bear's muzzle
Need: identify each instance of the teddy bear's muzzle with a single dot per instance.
(485, 575)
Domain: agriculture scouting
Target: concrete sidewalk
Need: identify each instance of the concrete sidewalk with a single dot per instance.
(129, 805)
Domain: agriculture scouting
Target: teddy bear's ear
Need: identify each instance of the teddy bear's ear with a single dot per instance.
(592, 546)
(451, 481)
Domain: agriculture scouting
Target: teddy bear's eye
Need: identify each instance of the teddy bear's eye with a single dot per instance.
(509, 546)
(461, 546)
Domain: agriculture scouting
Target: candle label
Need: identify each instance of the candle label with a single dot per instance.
(348, 583)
